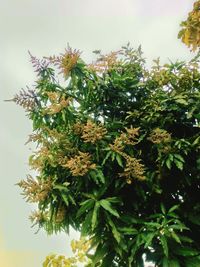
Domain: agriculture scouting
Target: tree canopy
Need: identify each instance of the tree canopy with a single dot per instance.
(117, 156)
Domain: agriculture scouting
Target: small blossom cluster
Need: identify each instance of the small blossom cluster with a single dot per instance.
(80, 164)
(26, 99)
(58, 103)
(35, 190)
(38, 217)
(105, 62)
(134, 170)
(60, 215)
(66, 61)
(128, 138)
(79, 248)
(90, 132)
(159, 136)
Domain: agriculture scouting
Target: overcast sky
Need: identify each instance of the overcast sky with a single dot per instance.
(45, 27)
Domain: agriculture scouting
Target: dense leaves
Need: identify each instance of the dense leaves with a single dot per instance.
(118, 156)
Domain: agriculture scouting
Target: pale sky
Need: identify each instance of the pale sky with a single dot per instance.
(45, 27)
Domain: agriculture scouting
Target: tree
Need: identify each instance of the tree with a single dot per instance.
(117, 156)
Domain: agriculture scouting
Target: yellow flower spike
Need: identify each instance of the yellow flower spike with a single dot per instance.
(92, 132)
(73, 246)
(80, 164)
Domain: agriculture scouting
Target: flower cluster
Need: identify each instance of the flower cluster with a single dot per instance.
(78, 128)
(37, 160)
(58, 104)
(82, 244)
(35, 190)
(133, 170)
(92, 133)
(159, 136)
(190, 32)
(60, 215)
(128, 138)
(26, 99)
(105, 62)
(80, 164)
(66, 61)
(38, 217)
(79, 248)
(39, 65)
(59, 261)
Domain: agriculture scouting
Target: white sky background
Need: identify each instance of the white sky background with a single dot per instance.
(45, 27)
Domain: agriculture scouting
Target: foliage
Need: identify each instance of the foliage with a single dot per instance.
(190, 32)
(118, 156)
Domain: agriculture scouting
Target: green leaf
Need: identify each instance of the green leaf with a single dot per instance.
(61, 187)
(97, 176)
(170, 263)
(113, 155)
(148, 239)
(106, 157)
(65, 199)
(174, 263)
(196, 141)
(193, 262)
(114, 230)
(163, 241)
(173, 208)
(181, 101)
(119, 160)
(179, 157)
(107, 206)
(100, 252)
(185, 239)
(128, 230)
(85, 206)
(101, 176)
(132, 256)
(107, 260)
(94, 215)
(86, 225)
(175, 237)
(114, 200)
(153, 224)
(179, 164)
(186, 251)
(168, 163)
(179, 227)
(163, 208)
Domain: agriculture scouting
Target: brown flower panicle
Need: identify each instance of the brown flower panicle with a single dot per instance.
(60, 215)
(133, 170)
(92, 132)
(78, 128)
(80, 164)
(159, 136)
(38, 217)
(105, 62)
(128, 138)
(66, 61)
(35, 190)
(57, 106)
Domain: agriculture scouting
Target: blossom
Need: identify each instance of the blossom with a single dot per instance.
(159, 136)
(92, 133)
(80, 164)
(35, 190)
(134, 169)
